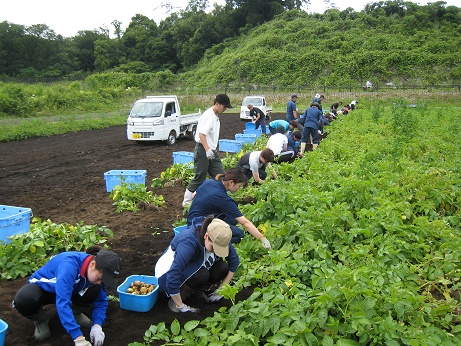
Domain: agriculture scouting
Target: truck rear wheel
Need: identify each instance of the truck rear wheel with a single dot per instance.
(192, 132)
(171, 140)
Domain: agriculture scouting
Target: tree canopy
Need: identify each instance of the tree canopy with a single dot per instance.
(253, 41)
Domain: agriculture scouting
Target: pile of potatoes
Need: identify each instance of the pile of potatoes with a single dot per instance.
(140, 288)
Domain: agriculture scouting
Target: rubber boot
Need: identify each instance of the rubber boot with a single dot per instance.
(82, 320)
(185, 291)
(314, 146)
(42, 328)
(302, 148)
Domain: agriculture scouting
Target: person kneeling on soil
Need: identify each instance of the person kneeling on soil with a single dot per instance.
(75, 282)
(194, 262)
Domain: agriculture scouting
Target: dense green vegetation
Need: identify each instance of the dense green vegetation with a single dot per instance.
(253, 42)
(366, 241)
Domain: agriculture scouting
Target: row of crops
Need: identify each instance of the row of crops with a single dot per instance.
(366, 241)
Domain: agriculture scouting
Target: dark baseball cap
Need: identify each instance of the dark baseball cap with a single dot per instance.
(224, 100)
(109, 263)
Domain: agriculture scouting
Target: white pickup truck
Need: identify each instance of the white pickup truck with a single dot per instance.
(258, 101)
(159, 118)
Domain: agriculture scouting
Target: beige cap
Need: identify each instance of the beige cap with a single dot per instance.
(220, 234)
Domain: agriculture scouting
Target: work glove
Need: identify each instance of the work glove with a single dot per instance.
(97, 335)
(266, 243)
(214, 297)
(187, 308)
(81, 342)
(210, 154)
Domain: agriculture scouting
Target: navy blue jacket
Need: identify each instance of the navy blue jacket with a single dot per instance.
(312, 117)
(189, 256)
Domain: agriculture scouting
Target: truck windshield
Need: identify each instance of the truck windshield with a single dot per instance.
(255, 101)
(147, 109)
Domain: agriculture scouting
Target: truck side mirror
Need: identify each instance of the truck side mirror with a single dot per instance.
(167, 114)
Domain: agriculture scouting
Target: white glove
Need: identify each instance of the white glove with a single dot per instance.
(214, 297)
(97, 335)
(187, 308)
(266, 243)
(81, 342)
(210, 154)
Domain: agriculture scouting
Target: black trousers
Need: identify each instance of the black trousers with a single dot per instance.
(206, 277)
(31, 298)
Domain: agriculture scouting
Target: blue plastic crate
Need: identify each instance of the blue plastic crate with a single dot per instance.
(257, 132)
(245, 138)
(250, 126)
(139, 303)
(13, 220)
(113, 177)
(178, 229)
(3, 329)
(182, 157)
(230, 145)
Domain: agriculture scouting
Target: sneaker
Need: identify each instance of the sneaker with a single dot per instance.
(172, 306)
(188, 195)
(82, 320)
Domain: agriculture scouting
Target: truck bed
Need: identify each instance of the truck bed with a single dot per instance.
(186, 119)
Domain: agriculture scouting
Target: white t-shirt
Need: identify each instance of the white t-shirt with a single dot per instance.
(209, 125)
(253, 161)
(276, 143)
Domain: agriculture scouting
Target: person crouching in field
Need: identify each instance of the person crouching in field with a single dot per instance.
(75, 282)
(196, 259)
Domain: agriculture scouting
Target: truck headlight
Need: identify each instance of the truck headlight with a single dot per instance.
(130, 123)
(158, 122)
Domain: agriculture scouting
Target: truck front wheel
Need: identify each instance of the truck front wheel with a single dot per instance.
(171, 140)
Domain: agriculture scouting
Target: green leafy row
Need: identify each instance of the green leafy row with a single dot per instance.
(366, 241)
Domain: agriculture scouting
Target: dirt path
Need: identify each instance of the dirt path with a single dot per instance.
(61, 178)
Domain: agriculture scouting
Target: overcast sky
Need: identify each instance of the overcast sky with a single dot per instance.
(67, 18)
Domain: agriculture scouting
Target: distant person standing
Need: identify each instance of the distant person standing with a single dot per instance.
(313, 116)
(292, 113)
(206, 157)
(258, 116)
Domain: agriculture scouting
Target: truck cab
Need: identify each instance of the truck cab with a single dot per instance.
(258, 101)
(159, 118)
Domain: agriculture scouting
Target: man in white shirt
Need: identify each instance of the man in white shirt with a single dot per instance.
(278, 143)
(206, 157)
(254, 165)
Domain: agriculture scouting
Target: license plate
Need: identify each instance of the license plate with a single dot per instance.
(136, 135)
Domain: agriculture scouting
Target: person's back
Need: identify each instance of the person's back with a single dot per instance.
(276, 123)
(312, 117)
(278, 142)
(212, 199)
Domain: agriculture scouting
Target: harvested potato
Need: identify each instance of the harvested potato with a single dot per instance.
(140, 288)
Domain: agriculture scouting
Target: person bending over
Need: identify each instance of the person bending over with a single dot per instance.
(212, 198)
